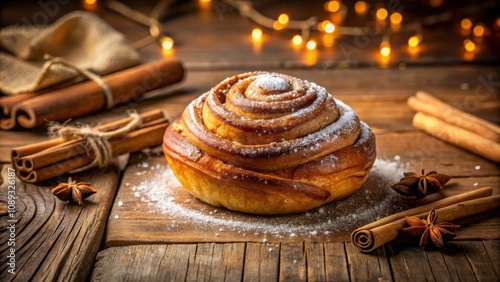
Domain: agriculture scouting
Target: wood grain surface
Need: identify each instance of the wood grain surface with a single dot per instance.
(459, 261)
(54, 240)
(383, 108)
(377, 95)
(133, 242)
(158, 210)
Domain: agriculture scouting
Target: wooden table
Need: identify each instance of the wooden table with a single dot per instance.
(123, 234)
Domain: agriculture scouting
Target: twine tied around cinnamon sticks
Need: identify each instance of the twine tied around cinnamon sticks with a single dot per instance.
(40, 161)
(97, 140)
(106, 90)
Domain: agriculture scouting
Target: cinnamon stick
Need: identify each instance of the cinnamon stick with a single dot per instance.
(63, 151)
(430, 105)
(8, 103)
(458, 136)
(56, 157)
(87, 97)
(26, 150)
(136, 140)
(376, 234)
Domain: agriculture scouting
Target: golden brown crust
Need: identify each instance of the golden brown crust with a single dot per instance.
(306, 167)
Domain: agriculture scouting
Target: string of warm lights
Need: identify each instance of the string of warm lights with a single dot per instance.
(387, 24)
(90, 5)
(152, 21)
(361, 8)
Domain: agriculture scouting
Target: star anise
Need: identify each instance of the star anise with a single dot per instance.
(420, 185)
(438, 233)
(73, 191)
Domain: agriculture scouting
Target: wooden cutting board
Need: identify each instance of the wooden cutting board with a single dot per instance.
(152, 207)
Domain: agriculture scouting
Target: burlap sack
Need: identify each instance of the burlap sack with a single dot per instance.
(81, 38)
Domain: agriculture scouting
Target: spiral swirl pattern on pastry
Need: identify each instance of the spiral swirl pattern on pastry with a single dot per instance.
(265, 132)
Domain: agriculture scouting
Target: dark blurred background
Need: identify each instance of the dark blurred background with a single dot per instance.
(203, 29)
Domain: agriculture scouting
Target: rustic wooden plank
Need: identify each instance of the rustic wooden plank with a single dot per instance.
(151, 208)
(177, 260)
(144, 262)
(202, 267)
(437, 265)
(138, 263)
(336, 262)
(479, 261)
(315, 257)
(216, 262)
(467, 261)
(228, 262)
(493, 249)
(326, 262)
(411, 263)
(368, 267)
(261, 262)
(292, 263)
(55, 240)
(169, 263)
(479, 227)
(458, 266)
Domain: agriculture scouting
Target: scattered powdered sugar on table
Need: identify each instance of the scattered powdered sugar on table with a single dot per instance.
(162, 193)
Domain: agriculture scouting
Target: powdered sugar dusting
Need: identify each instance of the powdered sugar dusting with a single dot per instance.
(271, 83)
(163, 195)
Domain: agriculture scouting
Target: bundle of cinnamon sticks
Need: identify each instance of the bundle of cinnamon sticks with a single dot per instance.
(44, 160)
(456, 127)
(376, 234)
(30, 110)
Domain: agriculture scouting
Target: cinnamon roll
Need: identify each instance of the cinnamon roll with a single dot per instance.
(269, 143)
